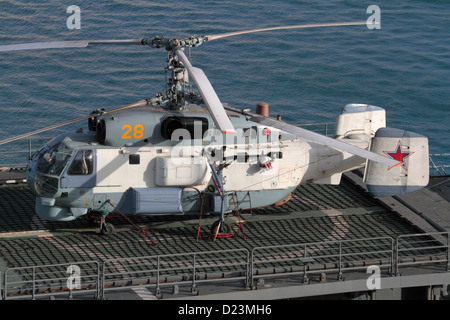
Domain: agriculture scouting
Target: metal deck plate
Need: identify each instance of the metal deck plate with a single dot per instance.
(316, 214)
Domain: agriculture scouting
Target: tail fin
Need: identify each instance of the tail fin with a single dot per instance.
(360, 121)
(412, 172)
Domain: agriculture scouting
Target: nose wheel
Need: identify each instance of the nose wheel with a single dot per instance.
(106, 228)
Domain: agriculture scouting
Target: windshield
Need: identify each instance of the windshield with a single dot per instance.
(53, 159)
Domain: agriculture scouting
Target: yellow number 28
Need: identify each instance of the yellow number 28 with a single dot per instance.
(138, 131)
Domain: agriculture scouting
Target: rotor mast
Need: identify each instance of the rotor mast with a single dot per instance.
(178, 91)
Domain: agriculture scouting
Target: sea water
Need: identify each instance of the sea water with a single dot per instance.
(306, 75)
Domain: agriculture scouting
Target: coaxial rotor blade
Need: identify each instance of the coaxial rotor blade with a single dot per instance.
(66, 44)
(209, 96)
(158, 41)
(317, 25)
(62, 124)
(317, 138)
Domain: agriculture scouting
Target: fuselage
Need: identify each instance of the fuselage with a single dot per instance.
(153, 162)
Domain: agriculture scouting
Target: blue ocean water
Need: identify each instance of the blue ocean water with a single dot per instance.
(305, 75)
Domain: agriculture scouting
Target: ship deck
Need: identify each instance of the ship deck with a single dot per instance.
(318, 244)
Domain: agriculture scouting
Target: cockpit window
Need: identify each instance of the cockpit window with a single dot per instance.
(82, 163)
(53, 159)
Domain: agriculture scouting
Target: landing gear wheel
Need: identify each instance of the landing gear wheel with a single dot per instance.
(106, 229)
(226, 228)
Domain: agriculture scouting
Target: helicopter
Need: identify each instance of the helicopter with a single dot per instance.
(169, 155)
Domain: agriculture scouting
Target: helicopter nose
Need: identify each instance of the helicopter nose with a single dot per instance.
(46, 209)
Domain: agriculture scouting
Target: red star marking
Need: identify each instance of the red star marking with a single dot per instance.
(398, 155)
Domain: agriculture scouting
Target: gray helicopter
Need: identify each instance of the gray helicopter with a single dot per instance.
(169, 155)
